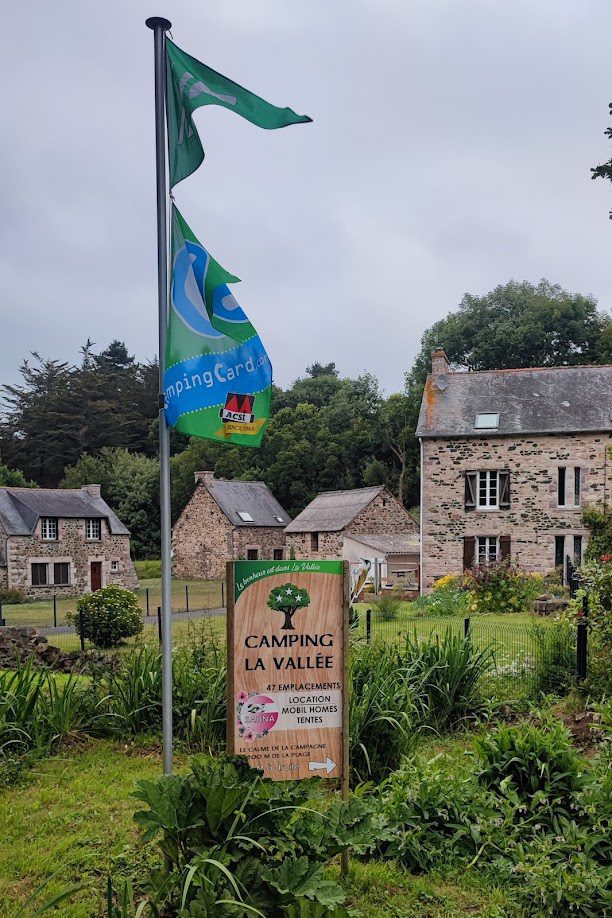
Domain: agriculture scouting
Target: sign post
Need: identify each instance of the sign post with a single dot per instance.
(287, 641)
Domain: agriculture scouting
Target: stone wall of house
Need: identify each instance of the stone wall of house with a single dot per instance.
(71, 547)
(330, 545)
(533, 519)
(265, 539)
(383, 516)
(201, 539)
(3, 564)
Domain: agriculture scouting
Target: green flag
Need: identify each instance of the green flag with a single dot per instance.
(192, 84)
(218, 376)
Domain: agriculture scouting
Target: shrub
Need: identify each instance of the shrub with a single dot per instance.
(107, 616)
(12, 597)
(214, 823)
(443, 603)
(502, 587)
(389, 607)
(537, 765)
(596, 579)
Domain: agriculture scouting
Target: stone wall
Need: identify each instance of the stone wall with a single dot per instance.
(330, 545)
(383, 516)
(265, 539)
(533, 518)
(201, 539)
(71, 547)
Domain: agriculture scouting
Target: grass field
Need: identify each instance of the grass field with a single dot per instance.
(202, 594)
(71, 824)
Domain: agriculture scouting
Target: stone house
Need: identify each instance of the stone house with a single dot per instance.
(509, 460)
(319, 531)
(62, 542)
(226, 521)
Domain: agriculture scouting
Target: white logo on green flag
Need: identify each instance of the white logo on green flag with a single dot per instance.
(192, 84)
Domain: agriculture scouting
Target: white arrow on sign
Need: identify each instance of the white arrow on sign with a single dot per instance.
(327, 765)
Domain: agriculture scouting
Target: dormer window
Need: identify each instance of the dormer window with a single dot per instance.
(245, 517)
(93, 530)
(48, 529)
(487, 421)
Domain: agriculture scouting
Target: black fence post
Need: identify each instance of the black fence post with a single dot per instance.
(54, 611)
(582, 641)
(466, 627)
(2, 621)
(186, 597)
(81, 634)
(368, 625)
(223, 593)
(147, 598)
(159, 627)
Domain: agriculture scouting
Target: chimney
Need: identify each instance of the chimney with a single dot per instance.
(439, 362)
(204, 477)
(92, 489)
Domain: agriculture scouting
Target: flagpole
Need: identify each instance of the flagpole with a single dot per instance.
(160, 27)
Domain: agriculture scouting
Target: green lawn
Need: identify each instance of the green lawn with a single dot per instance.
(71, 823)
(203, 594)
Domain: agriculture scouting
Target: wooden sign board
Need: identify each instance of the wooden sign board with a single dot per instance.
(287, 638)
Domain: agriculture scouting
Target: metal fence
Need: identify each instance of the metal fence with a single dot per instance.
(527, 659)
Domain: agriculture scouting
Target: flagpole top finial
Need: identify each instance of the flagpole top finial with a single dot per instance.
(158, 22)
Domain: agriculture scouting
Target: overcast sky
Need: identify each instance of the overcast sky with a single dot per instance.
(450, 152)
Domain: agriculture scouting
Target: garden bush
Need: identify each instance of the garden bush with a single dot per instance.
(12, 597)
(236, 844)
(448, 597)
(502, 587)
(535, 764)
(388, 607)
(107, 616)
(596, 586)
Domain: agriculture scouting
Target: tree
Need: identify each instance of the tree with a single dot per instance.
(322, 369)
(517, 325)
(605, 169)
(13, 478)
(288, 599)
(130, 484)
(399, 425)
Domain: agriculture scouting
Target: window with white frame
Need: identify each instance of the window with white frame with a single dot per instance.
(488, 490)
(48, 529)
(114, 566)
(93, 530)
(487, 549)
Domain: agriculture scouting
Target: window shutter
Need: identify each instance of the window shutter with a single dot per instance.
(504, 547)
(470, 490)
(504, 489)
(469, 552)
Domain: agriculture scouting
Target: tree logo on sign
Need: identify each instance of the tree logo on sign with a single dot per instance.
(288, 599)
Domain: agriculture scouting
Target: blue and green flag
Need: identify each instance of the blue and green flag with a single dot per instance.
(190, 84)
(218, 376)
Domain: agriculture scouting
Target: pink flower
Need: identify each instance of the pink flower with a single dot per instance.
(242, 696)
(249, 736)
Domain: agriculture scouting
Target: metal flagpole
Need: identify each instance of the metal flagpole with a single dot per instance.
(160, 27)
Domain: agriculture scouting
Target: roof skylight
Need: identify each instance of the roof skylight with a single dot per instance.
(487, 421)
(245, 517)
(279, 518)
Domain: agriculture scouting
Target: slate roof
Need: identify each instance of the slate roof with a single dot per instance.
(389, 544)
(21, 508)
(529, 401)
(332, 511)
(252, 497)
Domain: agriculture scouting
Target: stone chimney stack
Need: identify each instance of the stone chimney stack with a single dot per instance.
(204, 477)
(439, 362)
(93, 489)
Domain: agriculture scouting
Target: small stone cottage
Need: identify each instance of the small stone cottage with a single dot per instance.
(509, 460)
(226, 521)
(397, 557)
(319, 531)
(62, 542)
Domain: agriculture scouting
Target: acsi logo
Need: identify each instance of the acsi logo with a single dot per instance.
(238, 408)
